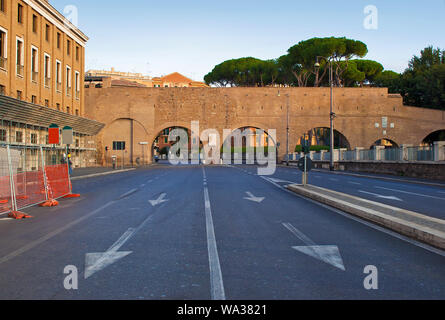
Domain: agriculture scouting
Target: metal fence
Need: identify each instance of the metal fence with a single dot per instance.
(28, 177)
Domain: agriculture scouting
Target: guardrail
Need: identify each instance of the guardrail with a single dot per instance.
(406, 153)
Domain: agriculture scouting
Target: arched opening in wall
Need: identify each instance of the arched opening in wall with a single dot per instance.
(387, 143)
(121, 139)
(244, 143)
(161, 146)
(438, 135)
(319, 139)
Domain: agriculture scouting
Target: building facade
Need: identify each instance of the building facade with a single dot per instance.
(42, 63)
(107, 78)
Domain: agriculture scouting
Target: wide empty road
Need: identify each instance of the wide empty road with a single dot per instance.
(219, 232)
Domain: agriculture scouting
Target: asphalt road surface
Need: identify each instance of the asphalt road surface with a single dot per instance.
(219, 232)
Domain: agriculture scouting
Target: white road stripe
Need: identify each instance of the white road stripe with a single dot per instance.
(356, 183)
(48, 236)
(357, 219)
(412, 193)
(216, 281)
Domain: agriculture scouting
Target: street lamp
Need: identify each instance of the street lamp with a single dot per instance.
(331, 114)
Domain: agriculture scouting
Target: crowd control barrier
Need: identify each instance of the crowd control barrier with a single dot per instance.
(25, 181)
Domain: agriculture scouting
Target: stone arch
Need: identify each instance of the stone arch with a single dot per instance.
(158, 132)
(438, 135)
(322, 138)
(270, 140)
(385, 142)
(123, 129)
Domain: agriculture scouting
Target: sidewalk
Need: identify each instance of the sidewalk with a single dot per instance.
(412, 224)
(83, 173)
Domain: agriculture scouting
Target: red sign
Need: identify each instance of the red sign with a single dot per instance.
(53, 135)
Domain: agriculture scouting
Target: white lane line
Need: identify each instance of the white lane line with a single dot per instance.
(412, 193)
(48, 236)
(333, 179)
(364, 222)
(441, 192)
(381, 196)
(355, 183)
(126, 194)
(216, 281)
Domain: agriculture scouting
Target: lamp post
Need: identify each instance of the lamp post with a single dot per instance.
(331, 114)
(287, 128)
(287, 131)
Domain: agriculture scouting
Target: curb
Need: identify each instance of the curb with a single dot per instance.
(100, 174)
(418, 232)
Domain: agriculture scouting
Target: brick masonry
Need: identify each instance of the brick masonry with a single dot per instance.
(147, 111)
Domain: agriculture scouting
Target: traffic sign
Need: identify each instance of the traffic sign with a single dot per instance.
(302, 163)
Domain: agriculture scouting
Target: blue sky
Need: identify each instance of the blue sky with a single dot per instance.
(191, 37)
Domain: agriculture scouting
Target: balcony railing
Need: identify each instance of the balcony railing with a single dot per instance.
(3, 62)
(47, 82)
(20, 70)
(34, 76)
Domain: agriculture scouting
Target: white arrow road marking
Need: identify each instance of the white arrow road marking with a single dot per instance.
(160, 200)
(381, 196)
(95, 262)
(413, 193)
(328, 254)
(251, 197)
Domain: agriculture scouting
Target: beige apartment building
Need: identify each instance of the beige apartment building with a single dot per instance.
(42, 62)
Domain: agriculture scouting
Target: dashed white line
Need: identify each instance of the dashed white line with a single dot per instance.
(412, 193)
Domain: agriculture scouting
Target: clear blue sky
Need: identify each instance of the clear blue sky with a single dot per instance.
(191, 37)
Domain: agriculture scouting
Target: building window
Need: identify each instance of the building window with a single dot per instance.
(34, 64)
(19, 136)
(58, 40)
(67, 109)
(68, 81)
(20, 58)
(34, 138)
(58, 75)
(2, 90)
(34, 23)
(20, 13)
(77, 112)
(2, 5)
(77, 53)
(46, 103)
(118, 145)
(3, 135)
(68, 47)
(47, 32)
(19, 95)
(3, 48)
(77, 143)
(34, 99)
(47, 70)
(58, 106)
(77, 85)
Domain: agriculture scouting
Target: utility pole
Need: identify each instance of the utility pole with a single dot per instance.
(332, 116)
(287, 132)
